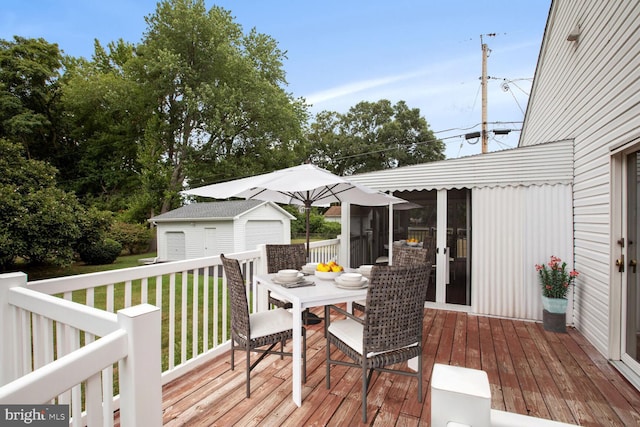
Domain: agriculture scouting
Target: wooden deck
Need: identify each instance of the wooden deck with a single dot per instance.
(531, 371)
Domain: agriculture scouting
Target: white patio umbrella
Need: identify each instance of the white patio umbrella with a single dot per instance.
(306, 185)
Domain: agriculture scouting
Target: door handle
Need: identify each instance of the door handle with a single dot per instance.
(633, 264)
(620, 263)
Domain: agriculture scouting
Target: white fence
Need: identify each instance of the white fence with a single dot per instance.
(68, 343)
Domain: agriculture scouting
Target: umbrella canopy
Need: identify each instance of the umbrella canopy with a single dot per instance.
(305, 185)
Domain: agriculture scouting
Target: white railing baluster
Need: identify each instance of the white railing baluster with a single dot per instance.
(205, 310)
(183, 318)
(172, 319)
(127, 294)
(195, 310)
(144, 290)
(107, 390)
(110, 297)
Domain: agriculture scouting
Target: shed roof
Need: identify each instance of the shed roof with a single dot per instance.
(229, 209)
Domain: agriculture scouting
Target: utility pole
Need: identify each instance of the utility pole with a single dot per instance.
(485, 53)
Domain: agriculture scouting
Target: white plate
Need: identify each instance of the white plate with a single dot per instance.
(309, 271)
(278, 279)
(366, 284)
(348, 284)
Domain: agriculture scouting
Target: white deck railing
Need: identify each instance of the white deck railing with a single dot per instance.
(67, 328)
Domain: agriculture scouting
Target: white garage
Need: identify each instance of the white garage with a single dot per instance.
(207, 229)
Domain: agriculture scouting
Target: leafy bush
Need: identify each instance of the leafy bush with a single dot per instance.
(103, 252)
(133, 237)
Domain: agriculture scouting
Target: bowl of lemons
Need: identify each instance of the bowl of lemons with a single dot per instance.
(329, 270)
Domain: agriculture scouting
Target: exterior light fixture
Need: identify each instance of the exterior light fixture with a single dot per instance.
(574, 35)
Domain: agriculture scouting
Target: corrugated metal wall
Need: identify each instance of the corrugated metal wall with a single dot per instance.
(515, 228)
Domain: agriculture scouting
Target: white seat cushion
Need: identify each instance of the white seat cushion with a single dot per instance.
(351, 333)
(348, 331)
(270, 322)
(278, 297)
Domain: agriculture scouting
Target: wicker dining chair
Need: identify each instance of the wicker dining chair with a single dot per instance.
(389, 333)
(250, 332)
(403, 256)
(281, 257)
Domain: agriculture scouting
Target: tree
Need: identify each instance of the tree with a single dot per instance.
(38, 221)
(106, 117)
(372, 136)
(217, 107)
(30, 110)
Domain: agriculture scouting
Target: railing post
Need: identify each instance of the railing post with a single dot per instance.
(140, 372)
(8, 332)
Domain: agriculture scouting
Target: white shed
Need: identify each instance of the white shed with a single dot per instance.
(207, 229)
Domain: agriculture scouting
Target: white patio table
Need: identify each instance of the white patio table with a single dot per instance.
(324, 292)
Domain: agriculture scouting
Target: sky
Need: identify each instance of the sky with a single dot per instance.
(341, 52)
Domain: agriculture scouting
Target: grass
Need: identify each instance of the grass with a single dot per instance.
(49, 271)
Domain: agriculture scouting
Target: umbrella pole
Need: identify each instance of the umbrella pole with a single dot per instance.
(307, 210)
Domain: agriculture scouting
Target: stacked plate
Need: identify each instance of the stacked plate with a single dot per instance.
(284, 277)
(351, 281)
(309, 268)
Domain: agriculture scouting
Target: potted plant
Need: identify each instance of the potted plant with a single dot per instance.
(555, 280)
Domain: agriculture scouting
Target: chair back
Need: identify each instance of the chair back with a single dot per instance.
(281, 257)
(237, 297)
(395, 307)
(405, 256)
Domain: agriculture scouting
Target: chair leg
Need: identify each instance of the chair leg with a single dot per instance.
(304, 355)
(248, 372)
(232, 354)
(420, 377)
(327, 350)
(364, 393)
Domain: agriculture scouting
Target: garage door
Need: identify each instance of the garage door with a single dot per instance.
(175, 245)
(263, 232)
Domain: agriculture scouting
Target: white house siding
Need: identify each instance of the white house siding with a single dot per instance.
(588, 91)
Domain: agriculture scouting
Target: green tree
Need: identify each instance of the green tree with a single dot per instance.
(217, 105)
(106, 118)
(372, 136)
(38, 221)
(30, 110)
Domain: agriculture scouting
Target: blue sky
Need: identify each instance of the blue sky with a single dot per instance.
(342, 52)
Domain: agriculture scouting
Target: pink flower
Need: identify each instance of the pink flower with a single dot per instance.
(573, 273)
(538, 267)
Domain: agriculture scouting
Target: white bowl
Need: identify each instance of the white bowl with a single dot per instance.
(365, 269)
(327, 275)
(351, 277)
(351, 283)
(413, 243)
(310, 266)
(288, 274)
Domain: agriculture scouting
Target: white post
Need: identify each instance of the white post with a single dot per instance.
(140, 371)
(460, 395)
(8, 336)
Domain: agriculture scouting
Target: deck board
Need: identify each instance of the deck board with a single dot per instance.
(531, 372)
